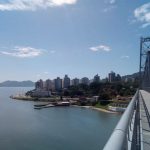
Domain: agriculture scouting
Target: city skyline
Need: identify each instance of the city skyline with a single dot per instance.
(63, 83)
(46, 39)
(112, 76)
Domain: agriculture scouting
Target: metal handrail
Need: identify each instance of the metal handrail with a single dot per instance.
(118, 139)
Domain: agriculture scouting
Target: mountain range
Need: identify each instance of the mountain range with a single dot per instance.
(17, 84)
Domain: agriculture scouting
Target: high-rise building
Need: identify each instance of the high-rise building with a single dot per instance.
(112, 77)
(75, 81)
(58, 83)
(96, 78)
(66, 82)
(39, 84)
(85, 80)
(48, 85)
(118, 77)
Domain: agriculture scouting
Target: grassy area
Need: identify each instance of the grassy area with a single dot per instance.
(98, 105)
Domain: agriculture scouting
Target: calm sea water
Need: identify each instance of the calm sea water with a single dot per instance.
(24, 128)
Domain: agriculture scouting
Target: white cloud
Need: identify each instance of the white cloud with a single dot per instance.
(142, 14)
(23, 52)
(62, 2)
(112, 1)
(100, 48)
(109, 8)
(125, 57)
(33, 4)
(111, 4)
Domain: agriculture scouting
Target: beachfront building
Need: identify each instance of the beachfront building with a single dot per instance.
(41, 93)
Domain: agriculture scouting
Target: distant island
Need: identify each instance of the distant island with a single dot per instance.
(17, 84)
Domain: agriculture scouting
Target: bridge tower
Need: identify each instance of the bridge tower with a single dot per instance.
(145, 63)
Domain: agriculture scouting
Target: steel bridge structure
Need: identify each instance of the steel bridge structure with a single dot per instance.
(133, 130)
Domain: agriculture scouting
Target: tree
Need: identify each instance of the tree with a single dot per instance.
(104, 97)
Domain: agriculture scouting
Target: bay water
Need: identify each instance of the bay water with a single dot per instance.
(59, 128)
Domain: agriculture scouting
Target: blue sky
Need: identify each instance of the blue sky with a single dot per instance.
(50, 38)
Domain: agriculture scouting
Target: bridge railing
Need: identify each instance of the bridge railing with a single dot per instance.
(120, 136)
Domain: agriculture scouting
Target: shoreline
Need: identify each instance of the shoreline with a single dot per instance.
(47, 100)
(97, 109)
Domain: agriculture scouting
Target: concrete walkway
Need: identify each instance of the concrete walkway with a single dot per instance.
(144, 99)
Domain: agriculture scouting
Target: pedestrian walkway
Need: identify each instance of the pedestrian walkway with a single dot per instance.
(144, 99)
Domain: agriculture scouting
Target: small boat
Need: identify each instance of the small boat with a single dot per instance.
(45, 106)
(40, 105)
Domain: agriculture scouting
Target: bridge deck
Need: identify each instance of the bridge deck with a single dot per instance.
(144, 98)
